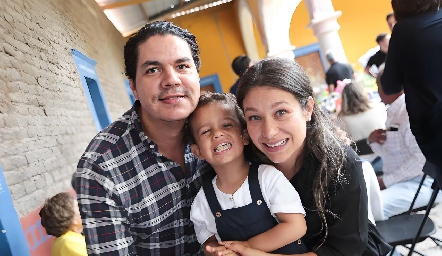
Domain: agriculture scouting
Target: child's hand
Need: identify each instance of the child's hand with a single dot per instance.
(221, 250)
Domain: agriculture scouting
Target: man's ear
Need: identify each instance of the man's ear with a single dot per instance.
(196, 151)
(245, 137)
(133, 88)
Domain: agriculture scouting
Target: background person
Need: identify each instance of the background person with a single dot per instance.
(337, 71)
(239, 65)
(414, 64)
(253, 203)
(289, 130)
(402, 159)
(137, 178)
(61, 218)
(375, 61)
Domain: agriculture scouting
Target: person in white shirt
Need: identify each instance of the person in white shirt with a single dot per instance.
(403, 161)
(252, 203)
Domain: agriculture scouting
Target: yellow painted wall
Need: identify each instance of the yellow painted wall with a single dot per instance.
(361, 22)
(219, 36)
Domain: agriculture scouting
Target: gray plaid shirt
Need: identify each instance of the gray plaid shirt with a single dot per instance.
(133, 200)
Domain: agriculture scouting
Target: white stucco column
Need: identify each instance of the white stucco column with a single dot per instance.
(272, 19)
(323, 21)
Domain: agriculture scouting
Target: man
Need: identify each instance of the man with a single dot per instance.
(239, 65)
(391, 21)
(378, 58)
(414, 64)
(337, 71)
(137, 179)
(402, 159)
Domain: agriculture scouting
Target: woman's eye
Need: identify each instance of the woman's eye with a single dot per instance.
(280, 112)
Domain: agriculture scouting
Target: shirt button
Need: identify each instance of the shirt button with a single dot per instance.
(152, 146)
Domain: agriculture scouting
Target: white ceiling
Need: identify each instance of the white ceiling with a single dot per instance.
(128, 16)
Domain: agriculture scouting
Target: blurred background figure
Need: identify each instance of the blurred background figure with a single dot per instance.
(239, 65)
(360, 117)
(402, 159)
(375, 61)
(414, 64)
(61, 218)
(337, 71)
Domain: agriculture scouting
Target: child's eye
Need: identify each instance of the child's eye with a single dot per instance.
(280, 112)
(228, 125)
(253, 118)
(205, 131)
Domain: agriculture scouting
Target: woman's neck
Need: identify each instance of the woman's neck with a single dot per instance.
(289, 168)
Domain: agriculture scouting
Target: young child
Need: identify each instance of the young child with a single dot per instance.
(252, 204)
(61, 218)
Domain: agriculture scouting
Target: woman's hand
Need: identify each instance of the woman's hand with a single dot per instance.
(243, 248)
(220, 250)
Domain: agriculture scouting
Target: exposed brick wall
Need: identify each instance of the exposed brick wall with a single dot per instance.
(45, 121)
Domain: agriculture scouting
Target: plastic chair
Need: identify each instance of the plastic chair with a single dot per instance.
(410, 228)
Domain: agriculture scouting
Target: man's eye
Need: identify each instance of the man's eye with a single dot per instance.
(253, 118)
(151, 70)
(183, 66)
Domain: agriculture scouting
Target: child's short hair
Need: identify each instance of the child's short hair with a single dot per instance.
(215, 97)
(57, 214)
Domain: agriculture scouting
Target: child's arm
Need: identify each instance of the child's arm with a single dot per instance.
(212, 247)
(292, 227)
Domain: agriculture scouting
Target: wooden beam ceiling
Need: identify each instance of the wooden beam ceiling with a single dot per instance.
(123, 3)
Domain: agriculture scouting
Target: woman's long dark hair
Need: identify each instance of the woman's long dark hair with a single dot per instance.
(322, 143)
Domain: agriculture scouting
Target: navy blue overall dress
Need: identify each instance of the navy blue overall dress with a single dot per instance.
(245, 222)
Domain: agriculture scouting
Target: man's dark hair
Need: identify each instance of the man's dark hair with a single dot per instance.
(57, 214)
(381, 37)
(161, 28)
(240, 64)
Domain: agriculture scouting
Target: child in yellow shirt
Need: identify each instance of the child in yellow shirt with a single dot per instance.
(61, 218)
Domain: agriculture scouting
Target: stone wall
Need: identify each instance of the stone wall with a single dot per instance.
(45, 121)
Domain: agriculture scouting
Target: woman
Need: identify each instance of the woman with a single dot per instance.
(280, 112)
(359, 115)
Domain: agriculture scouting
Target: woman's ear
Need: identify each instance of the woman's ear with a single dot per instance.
(245, 137)
(309, 108)
(196, 151)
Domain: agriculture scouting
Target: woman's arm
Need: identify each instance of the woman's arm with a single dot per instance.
(348, 231)
(292, 227)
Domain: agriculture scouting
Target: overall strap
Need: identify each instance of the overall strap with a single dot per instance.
(209, 191)
(255, 189)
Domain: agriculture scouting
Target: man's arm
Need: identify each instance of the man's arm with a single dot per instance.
(105, 221)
